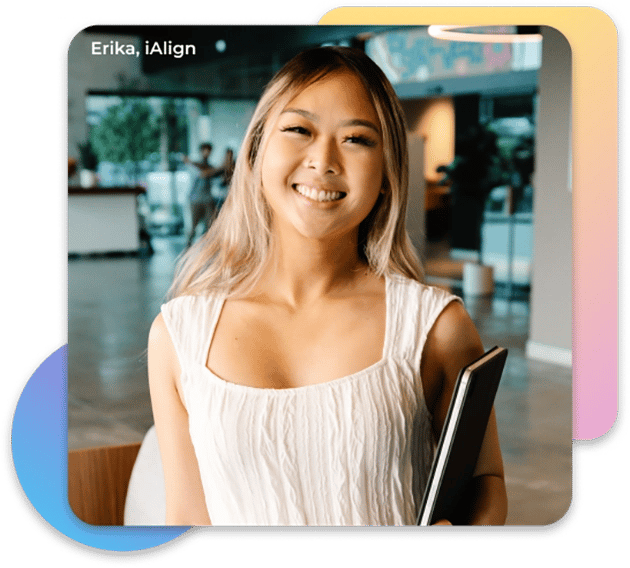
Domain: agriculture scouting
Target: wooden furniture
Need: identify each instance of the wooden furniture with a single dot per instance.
(97, 482)
(103, 220)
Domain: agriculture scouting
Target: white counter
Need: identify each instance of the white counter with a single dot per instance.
(103, 220)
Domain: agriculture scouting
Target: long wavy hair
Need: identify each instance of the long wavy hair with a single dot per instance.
(231, 256)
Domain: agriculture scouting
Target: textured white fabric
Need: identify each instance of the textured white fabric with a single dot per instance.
(353, 451)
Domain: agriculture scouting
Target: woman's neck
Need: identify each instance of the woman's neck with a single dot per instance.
(302, 271)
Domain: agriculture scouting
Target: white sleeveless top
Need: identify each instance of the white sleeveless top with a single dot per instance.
(353, 451)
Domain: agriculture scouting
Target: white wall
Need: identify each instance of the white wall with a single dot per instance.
(434, 120)
(551, 296)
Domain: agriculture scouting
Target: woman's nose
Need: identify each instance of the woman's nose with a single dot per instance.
(323, 156)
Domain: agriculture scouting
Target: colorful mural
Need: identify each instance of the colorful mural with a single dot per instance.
(410, 56)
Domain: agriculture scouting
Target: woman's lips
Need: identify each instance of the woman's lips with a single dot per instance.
(317, 194)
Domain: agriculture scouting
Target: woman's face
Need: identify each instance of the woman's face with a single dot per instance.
(323, 165)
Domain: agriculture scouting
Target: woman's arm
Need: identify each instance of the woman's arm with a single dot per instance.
(185, 502)
(452, 343)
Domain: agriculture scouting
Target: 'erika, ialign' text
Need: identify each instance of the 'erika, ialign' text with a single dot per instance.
(167, 48)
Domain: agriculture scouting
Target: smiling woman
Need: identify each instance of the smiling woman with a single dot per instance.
(322, 169)
(300, 372)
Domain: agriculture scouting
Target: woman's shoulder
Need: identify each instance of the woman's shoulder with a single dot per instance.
(454, 329)
(189, 308)
(184, 322)
(416, 308)
(411, 290)
(158, 333)
(184, 301)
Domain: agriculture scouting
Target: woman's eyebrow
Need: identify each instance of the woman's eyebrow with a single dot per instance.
(351, 122)
(302, 112)
(361, 122)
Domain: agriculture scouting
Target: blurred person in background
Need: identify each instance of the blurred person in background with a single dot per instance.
(202, 204)
(221, 185)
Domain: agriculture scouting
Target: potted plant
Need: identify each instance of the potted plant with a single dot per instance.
(473, 174)
(89, 164)
(127, 134)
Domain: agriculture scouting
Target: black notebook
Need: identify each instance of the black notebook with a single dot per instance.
(461, 438)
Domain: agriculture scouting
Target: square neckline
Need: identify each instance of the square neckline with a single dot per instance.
(385, 353)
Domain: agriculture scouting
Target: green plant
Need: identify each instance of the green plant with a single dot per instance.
(129, 132)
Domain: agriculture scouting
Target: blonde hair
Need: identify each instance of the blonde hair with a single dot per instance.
(231, 256)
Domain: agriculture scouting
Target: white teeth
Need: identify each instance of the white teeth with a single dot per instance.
(317, 195)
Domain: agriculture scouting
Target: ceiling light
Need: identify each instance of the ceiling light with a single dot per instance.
(445, 32)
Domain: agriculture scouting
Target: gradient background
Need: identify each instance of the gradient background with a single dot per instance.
(34, 65)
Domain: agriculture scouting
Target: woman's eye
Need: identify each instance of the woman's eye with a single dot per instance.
(296, 130)
(361, 140)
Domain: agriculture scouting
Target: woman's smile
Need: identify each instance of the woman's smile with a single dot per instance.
(323, 164)
(320, 195)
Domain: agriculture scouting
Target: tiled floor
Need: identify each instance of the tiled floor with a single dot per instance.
(112, 302)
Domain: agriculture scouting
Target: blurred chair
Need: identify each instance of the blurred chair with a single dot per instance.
(116, 485)
(145, 503)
